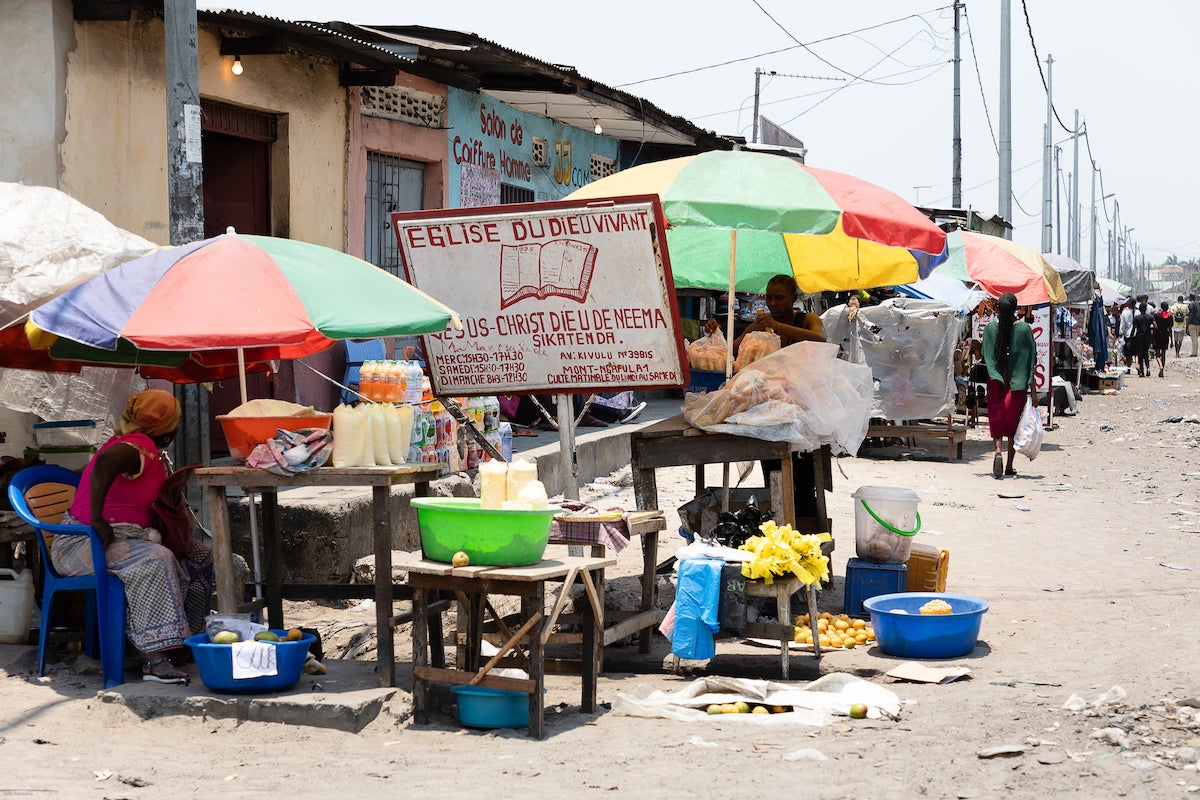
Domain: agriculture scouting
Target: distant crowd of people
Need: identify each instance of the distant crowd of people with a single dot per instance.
(1141, 331)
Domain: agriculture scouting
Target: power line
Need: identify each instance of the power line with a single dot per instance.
(979, 79)
(826, 61)
(1038, 59)
(855, 32)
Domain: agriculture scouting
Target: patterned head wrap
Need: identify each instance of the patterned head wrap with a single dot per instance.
(153, 411)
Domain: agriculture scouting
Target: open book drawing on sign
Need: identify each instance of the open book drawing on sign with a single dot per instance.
(561, 267)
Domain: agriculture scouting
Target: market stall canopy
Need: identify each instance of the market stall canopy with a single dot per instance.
(49, 242)
(832, 231)
(944, 289)
(997, 266)
(1114, 291)
(1078, 281)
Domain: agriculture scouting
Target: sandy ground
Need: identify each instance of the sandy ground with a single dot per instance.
(1081, 601)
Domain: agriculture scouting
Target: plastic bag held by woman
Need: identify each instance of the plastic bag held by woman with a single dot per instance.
(709, 352)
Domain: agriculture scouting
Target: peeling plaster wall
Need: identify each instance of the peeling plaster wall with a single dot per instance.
(114, 152)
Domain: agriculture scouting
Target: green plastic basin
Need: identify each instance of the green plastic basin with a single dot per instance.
(491, 537)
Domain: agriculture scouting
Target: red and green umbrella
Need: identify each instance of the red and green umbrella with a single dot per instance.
(998, 266)
(760, 215)
(236, 299)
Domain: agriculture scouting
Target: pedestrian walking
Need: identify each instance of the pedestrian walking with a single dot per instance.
(1179, 315)
(1193, 321)
(1011, 353)
(1125, 333)
(1163, 328)
(1139, 339)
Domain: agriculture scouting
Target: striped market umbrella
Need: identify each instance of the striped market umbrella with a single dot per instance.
(742, 217)
(997, 266)
(234, 299)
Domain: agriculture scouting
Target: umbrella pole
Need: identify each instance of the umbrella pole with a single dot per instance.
(729, 351)
(254, 545)
(242, 378)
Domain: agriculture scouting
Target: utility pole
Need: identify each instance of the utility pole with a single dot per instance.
(1092, 230)
(757, 78)
(185, 198)
(1057, 203)
(1114, 264)
(1076, 208)
(956, 167)
(1048, 175)
(1006, 114)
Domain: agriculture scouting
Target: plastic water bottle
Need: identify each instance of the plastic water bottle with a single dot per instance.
(413, 385)
(506, 441)
(491, 413)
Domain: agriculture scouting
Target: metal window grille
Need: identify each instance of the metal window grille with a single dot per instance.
(515, 194)
(393, 184)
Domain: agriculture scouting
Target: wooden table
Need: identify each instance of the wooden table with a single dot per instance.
(215, 480)
(673, 442)
(954, 434)
(472, 585)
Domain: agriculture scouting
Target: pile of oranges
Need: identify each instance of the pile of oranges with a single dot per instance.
(837, 631)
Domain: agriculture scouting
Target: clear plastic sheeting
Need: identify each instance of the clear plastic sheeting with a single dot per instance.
(801, 394)
(50, 242)
(909, 347)
(98, 393)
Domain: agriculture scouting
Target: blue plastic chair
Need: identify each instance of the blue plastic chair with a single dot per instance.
(358, 353)
(46, 491)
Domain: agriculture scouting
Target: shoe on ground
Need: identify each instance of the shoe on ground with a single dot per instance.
(634, 412)
(589, 421)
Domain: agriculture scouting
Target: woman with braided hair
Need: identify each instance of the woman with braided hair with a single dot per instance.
(1011, 352)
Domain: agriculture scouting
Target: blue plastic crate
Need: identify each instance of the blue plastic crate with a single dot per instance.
(705, 380)
(866, 579)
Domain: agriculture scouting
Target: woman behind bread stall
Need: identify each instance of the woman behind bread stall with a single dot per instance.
(167, 598)
(783, 318)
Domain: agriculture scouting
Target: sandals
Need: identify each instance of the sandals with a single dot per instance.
(161, 670)
(998, 465)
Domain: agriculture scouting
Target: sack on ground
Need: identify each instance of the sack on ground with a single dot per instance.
(1030, 432)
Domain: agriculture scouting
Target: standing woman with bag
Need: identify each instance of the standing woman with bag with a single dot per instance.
(1011, 352)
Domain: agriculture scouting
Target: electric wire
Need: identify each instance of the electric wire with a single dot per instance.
(1038, 59)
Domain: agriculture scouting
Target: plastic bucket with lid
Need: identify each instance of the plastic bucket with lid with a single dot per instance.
(885, 520)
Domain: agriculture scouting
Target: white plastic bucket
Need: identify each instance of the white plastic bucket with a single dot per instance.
(885, 520)
(16, 606)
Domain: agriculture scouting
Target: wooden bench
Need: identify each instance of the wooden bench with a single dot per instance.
(954, 434)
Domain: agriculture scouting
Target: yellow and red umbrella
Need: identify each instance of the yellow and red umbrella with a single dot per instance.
(998, 266)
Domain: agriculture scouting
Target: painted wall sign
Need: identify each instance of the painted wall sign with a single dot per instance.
(516, 148)
(553, 296)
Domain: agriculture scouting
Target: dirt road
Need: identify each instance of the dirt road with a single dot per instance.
(1091, 574)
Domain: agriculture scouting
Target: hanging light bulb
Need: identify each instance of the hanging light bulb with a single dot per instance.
(237, 65)
(599, 129)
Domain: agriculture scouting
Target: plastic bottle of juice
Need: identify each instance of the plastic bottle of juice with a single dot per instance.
(366, 379)
(491, 413)
(426, 389)
(401, 390)
(439, 435)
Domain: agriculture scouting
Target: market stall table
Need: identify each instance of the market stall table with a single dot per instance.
(473, 584)
(215, 480)
(673, 442)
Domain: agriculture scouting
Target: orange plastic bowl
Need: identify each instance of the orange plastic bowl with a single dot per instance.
(243, 434)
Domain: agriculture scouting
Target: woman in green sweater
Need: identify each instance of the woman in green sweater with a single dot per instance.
(1010, 352)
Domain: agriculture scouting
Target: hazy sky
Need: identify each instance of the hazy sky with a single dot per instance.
(868, 87)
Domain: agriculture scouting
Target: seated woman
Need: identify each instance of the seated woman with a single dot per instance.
(167, 597)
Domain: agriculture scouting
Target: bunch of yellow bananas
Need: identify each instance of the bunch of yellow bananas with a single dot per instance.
(782, 551)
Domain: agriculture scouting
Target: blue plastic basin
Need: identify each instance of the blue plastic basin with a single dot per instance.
(902, 630)
(215, 662)
(482, 707)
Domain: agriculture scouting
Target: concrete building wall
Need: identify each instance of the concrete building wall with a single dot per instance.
(114, 151)
(34, 40)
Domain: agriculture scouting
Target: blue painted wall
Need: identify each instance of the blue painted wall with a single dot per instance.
(491, 143)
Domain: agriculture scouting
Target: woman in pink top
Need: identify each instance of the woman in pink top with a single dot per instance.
(167, 597)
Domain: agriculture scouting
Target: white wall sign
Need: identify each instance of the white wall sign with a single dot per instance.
(553, 296)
